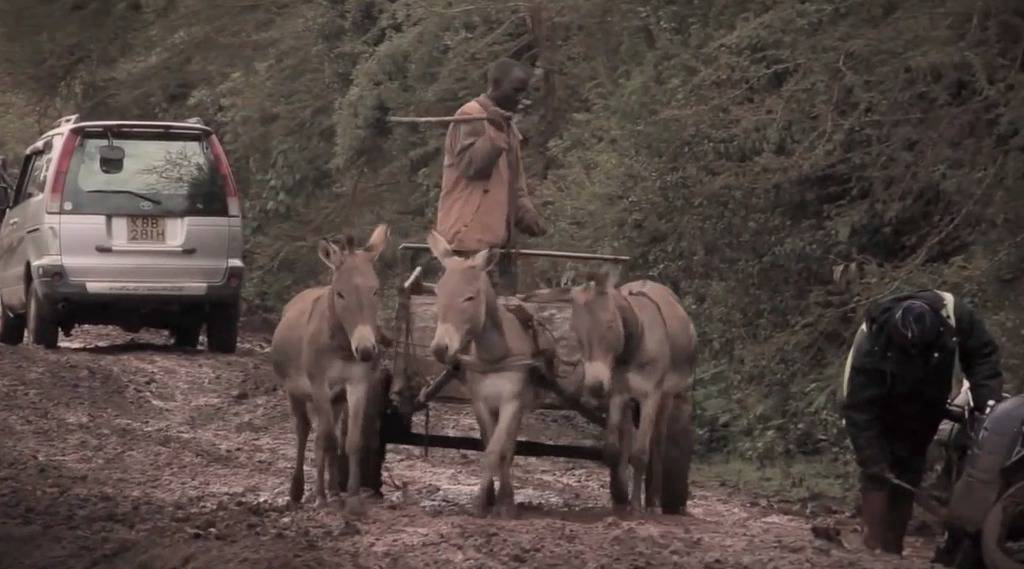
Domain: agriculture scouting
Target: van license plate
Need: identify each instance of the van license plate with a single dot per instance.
(146, 229)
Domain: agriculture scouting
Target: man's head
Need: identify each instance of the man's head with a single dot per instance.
(507, 82)
(914, 325)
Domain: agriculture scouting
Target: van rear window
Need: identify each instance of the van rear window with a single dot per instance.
(165, 175)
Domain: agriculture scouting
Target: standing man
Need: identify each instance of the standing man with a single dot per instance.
(899, 376)
(483, 186)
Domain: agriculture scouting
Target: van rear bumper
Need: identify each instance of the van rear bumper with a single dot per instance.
(56, 290)
(134, 293)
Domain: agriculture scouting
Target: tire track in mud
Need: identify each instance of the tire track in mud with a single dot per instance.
(133, 454)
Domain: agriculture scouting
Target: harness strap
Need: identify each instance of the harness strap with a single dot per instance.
(633, 332)
(337, 330)
(949, 313)
(513, 363)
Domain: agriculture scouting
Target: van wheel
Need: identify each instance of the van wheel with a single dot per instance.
(186, 335)
(42, 331)
(12, 328)
(222, 328)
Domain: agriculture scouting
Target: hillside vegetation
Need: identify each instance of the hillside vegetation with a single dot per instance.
(778, 163)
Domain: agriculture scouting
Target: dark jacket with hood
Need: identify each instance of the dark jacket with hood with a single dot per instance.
(895, 399)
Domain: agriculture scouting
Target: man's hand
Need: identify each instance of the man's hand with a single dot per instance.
(498, 118)
(533, 227)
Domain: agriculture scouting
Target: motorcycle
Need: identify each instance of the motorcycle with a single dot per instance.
(983, 469)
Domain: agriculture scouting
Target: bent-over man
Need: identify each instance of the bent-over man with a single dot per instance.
(899, 376)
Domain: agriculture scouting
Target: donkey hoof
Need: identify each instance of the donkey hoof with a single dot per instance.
(297, 490)
(322, 502)
(355, 506)
(508, 511)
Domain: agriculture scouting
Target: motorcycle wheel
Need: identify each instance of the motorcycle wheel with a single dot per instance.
(1002, 534)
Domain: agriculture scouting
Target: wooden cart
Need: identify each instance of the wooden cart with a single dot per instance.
(426, 380)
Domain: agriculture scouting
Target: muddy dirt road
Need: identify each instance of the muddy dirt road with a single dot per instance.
(117, 451)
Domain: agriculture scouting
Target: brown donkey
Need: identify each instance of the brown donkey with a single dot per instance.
(495, 351)
(326, 356)
(637, 342)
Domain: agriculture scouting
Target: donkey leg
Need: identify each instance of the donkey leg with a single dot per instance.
(507, 431)
(613, 428)
(338, 464)
(326, 441)
(642, 447)
(613, 445)
(486, 421)
(302, 428)
(626, 432)
(358, 395)
(655, 465)
(679, 453)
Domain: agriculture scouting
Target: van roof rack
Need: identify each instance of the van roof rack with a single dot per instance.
(64, 121)
(194, 120)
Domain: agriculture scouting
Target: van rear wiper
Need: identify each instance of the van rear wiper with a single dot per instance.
(153, 201)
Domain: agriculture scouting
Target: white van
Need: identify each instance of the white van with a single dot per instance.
(134, 224)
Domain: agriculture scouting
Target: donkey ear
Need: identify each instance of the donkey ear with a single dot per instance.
(439, 247)
(486, 259)
(379, 238)
(609, 278)
(329, 253)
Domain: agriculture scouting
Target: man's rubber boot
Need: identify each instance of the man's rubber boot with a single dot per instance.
(874, 509)
(901, 510)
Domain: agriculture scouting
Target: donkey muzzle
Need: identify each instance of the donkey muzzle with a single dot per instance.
(597, 379)
(446, 344)
(366, 353)
(441, 352)
(364, 343)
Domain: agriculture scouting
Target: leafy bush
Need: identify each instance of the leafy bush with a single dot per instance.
(780, 164)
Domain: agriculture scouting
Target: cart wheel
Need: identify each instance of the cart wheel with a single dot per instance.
(372, 463)
(390, 423)
(679, 442)
(1002, 538)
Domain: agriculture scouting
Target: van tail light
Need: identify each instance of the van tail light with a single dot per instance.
(60, 176)
(228, 179)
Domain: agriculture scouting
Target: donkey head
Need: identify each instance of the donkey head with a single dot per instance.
(354, 289)
(597, 324)
(463, 295)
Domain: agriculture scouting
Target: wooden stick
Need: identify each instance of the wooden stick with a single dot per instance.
(415, 276)
(435, 120)
(523, 448)
(534, 253)
(430, 391)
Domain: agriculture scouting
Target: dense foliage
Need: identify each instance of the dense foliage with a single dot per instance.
(780, 164)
